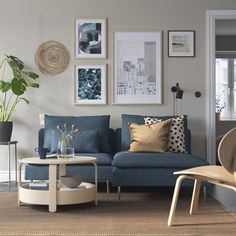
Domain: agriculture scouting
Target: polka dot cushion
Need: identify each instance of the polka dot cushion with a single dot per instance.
(149, 120)
(176, 141)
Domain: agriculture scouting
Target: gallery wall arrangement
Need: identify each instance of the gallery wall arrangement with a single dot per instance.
(137, 62)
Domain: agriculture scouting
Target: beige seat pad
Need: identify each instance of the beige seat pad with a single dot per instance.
(216, 173)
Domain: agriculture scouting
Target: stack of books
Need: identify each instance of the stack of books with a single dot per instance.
(51, 156)
(39, 185)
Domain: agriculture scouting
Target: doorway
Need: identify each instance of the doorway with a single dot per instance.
(212, 17)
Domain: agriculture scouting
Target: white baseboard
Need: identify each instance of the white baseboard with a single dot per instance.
(4, 176)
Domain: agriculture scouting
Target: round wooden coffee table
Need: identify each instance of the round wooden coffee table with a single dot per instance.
(57, 194)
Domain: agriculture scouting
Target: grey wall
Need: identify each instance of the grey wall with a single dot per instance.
(25, 24)
(224, 196)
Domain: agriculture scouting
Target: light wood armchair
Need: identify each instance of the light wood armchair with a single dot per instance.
(224, 175)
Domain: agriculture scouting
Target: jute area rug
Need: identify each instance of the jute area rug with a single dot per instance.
(135, 214)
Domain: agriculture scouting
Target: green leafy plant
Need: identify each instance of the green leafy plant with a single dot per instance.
(220, 105)
(13, 89)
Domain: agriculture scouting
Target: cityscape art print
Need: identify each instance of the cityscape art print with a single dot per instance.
(137, 68)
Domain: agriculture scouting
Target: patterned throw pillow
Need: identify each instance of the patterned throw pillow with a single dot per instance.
(176, 135)
(149, 120)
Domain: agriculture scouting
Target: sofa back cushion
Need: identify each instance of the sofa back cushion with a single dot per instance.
(84, 141)
(139, 119)
(98, 123)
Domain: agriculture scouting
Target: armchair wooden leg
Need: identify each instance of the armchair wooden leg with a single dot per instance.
(195, 196)
(175, 199)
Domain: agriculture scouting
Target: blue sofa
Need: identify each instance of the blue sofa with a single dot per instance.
(104, 156)
(149, 169)
(123, 168)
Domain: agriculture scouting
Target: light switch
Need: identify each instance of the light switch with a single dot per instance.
(41, 119)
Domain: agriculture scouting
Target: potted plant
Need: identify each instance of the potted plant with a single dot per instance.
(12, 91)
(219, 105)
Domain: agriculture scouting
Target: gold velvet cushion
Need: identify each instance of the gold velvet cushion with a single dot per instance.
(149, 138)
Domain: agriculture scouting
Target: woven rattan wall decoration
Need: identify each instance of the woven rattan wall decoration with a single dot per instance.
(52, 58)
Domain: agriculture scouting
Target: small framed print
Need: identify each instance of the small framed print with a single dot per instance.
(90, 85)
(90, 38)
(181, 43)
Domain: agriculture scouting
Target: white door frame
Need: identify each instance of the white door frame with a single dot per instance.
(212, 16)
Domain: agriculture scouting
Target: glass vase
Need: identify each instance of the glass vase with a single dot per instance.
(65, 150)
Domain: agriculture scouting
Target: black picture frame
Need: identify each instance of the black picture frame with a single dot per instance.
(181, 43)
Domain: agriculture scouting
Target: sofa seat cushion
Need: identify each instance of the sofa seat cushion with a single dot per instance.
(36, 172)
(156, 160)
(103, 159)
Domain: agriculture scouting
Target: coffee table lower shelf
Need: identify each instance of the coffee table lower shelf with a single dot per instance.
(86, 192)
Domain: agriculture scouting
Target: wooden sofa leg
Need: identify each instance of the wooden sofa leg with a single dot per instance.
(175, 199)
(108, 189)
(118, 193)
(195, 196)
(204, 193)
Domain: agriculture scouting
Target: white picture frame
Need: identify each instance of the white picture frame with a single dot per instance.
(90, 85)
(137, 68)
(90, 38)
(181, 43)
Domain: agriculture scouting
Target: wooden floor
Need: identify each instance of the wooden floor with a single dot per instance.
(4, 187)
(137, 213)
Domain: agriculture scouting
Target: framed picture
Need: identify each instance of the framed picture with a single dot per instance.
(181, 43)
(137, 68)
(90, 84)
(90, 38)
